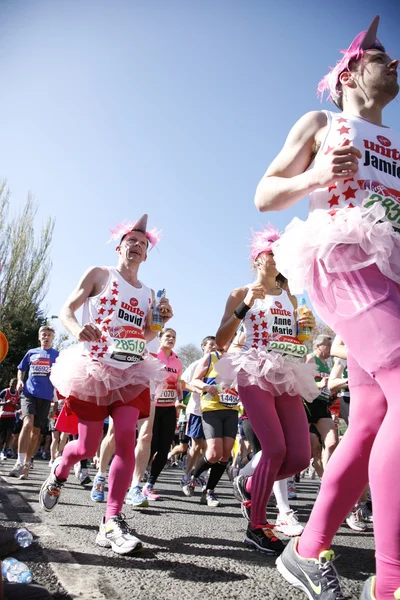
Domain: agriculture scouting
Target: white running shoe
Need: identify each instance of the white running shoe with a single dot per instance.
(355, 520)
(117, 535)
(17, 470)
(288, 524)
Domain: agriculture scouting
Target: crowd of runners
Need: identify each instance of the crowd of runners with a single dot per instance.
(260, 404)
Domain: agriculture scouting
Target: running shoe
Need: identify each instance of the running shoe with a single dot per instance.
(77, 470)
(25, 470)
(17, 470)
(208, 497)
(355, 521)
(312, 472)
(150, 492)
(318, 578)
(51, 462)
(264, 540)
(84, 478)
(136, 498)
(3, 455)
(288, 524)
(50, 491)
(232, 472)
(366, 513)
(245, 508)
(291, 488)
(189, 487)
(97, 493)
(239, 489)
(117, 535)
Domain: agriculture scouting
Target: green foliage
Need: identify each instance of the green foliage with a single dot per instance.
(23, 280)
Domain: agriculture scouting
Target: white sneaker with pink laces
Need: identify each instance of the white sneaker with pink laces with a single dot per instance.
(288, 524)
(150, 492)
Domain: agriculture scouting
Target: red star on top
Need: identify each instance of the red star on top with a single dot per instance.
(115, 292)
(255, 327)
(265, 334)
(329, 149)
(261, 314)
(252, 317)
(350, 193)
(111, 310)
(347, 180)
(332, 187)
(95, 348)
(105, 347)
(115, 284)
(101, 310)
(98, 321)
(350, 205)
(347, 142)
(342, 120)
(103, 300)
(264, 342)
(113, 301)
(100, 354)
(256, 335)
(264, 325)
(344, 130)
(103, 338)
(254, 346)
(334, 201)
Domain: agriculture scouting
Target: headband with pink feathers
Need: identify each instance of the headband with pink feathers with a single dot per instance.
(262, 240)
(121, 229)
(366, 40)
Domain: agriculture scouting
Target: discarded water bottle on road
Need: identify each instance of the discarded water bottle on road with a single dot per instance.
(23, 537)
(15, 571)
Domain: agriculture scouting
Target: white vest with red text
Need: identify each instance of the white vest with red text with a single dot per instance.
(378, 176)
(120, 311)
(274, 315)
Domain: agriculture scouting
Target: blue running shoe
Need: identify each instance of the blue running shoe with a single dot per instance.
(136, 498)
(97, 493)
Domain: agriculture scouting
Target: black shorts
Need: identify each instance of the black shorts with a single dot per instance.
(38, 407)
(7, 424)
(183, 438)
(17, 427)
(317, 410)
(220, 423)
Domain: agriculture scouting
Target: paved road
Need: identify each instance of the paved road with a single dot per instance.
(191, 551)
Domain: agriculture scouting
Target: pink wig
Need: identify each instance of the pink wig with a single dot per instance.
(121, 229)
(366, 40)
(262, 240)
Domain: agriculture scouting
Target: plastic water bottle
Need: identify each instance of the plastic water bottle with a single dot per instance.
(15, 571)
(23, 537)
(303, 333)
(157, 320)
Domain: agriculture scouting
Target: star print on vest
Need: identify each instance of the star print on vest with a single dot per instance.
(105, 310)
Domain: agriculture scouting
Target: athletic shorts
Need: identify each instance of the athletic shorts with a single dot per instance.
(195, 428)
(316, 410)
(38, 407)
(7, 424)
(220, 423)
(182, 437)
(88, 411)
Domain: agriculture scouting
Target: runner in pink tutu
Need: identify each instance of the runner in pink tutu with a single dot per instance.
(108, 373)
(347, 255)
(271, 375)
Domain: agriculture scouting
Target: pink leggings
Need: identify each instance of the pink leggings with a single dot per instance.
(363, 308)
(280, 423)
(123, 464)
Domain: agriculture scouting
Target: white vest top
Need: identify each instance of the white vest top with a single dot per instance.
(272, 315)
(120, 311)
(378, 176)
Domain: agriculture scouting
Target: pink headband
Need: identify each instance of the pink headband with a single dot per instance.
(366, 40)
(262, 241)
(121, 229)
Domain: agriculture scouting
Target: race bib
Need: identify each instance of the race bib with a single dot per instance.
(325, 394)
(40, 367)
(228, 398)
(167, 397)
(127, 344)
(288, 346)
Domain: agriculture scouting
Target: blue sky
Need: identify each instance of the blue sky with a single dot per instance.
(170, 107)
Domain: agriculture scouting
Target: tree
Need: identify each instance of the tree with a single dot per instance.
(322, 328)
(24, 277)
(188, 354)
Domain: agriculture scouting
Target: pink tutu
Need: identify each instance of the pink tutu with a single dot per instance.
(266, 369)
(77, 374)
(359, 234)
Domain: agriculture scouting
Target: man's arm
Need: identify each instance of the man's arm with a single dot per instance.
(89, 285)
(287, 179)
(20, 380)
(198, 375)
